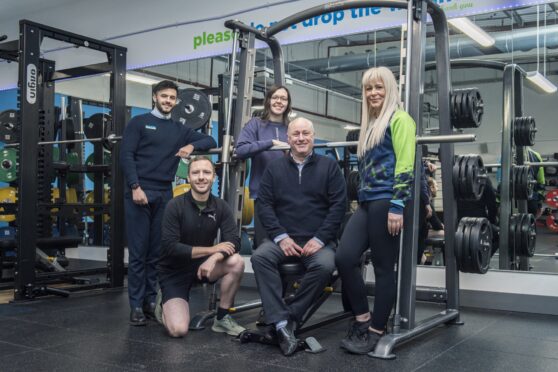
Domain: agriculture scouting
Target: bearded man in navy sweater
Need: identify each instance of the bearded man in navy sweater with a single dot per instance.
(152, 146)
(303, 201)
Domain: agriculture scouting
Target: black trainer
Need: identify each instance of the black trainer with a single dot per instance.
(287, 339)
(137, 318)
(359, 339)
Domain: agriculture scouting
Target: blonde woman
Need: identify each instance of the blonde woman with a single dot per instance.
(386, 153)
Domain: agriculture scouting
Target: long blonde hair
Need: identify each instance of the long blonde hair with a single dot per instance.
(373, 129)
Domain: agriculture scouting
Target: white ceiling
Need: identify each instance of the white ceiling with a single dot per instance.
(16, 9)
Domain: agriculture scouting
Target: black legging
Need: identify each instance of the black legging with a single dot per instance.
(367, 229)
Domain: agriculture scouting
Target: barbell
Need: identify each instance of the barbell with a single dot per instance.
(420, 140)
(110, 139)
(531, 164)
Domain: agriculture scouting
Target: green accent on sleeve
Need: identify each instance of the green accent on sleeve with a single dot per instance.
(403, 136)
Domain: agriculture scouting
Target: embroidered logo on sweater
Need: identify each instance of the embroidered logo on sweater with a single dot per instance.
(152, 127)
(212, 216)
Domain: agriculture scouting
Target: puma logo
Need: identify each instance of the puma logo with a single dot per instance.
(212, 216)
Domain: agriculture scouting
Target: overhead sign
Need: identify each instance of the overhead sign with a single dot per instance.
(211, 38)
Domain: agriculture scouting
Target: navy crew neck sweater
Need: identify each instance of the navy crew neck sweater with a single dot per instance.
(148, 149)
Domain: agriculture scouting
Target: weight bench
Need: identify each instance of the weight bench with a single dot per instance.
(291, 272)
(437, 243)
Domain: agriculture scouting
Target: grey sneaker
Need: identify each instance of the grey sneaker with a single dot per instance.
(159, 307)
(227, 325)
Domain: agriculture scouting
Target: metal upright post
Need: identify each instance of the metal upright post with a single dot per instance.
(414, 98)
(443, 71)
(520, 152)
(507, 254)
(115, 259)
(29, 85)
(242, 113)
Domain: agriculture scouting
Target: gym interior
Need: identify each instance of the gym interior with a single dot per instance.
(479, 78)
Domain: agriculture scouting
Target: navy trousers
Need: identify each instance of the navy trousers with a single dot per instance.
(265, 262)
(143, 226)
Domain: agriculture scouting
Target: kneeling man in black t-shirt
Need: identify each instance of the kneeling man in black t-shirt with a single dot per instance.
(188, 253)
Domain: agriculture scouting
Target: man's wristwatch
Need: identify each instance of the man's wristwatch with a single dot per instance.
(134, 186)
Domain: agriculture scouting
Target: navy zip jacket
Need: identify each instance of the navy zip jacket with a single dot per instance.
(303, 205)
(148, 149)
(185, 226)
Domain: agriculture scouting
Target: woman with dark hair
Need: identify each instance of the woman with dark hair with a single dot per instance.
(257, 136)
(386, 156)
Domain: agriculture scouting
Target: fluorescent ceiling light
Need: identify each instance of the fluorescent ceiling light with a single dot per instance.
(351, 127)
(541, 82)
(473, 31)
(141, 79)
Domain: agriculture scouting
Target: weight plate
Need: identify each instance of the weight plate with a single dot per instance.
(458, 169)
(512, 236)
(466, 248)
(551, 199)
(551, 223)
(478, 109)
(462, 175)
(193, 108)
(180, 189)
(90, 199)
(459, 244)
(485, 246)
(182, 170)
(8, 165)
(90, 161)
(247, 208)
(532, 131)
(108, 130)
(453, 110)
(479, 176)
(72, 178)
(7, 195)
(94, 126)
(475, 247)
(472, 181)
(8, 126)
(522, 234)
(459, 110)
(530, 182)
(531, 235)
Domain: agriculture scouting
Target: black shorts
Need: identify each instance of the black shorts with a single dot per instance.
(177, 283)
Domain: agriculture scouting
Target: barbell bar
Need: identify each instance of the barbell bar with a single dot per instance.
(111, 138)
(532, 164)
(453, 138)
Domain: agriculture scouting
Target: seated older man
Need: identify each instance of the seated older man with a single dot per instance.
(303, 200)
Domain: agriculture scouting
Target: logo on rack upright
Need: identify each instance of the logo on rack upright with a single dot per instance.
(31, 83)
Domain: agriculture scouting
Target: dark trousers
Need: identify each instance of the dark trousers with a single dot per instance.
(259, 232)
(367, 229)
(265, 262)
(143, 226)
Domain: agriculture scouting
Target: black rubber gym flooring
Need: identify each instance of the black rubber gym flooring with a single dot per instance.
(90, 332)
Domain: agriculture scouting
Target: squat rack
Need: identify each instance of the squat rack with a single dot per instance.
(36, 104)
(513, 79)
(405, 326)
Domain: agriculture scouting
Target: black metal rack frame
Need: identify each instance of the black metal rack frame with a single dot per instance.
(36, 102)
